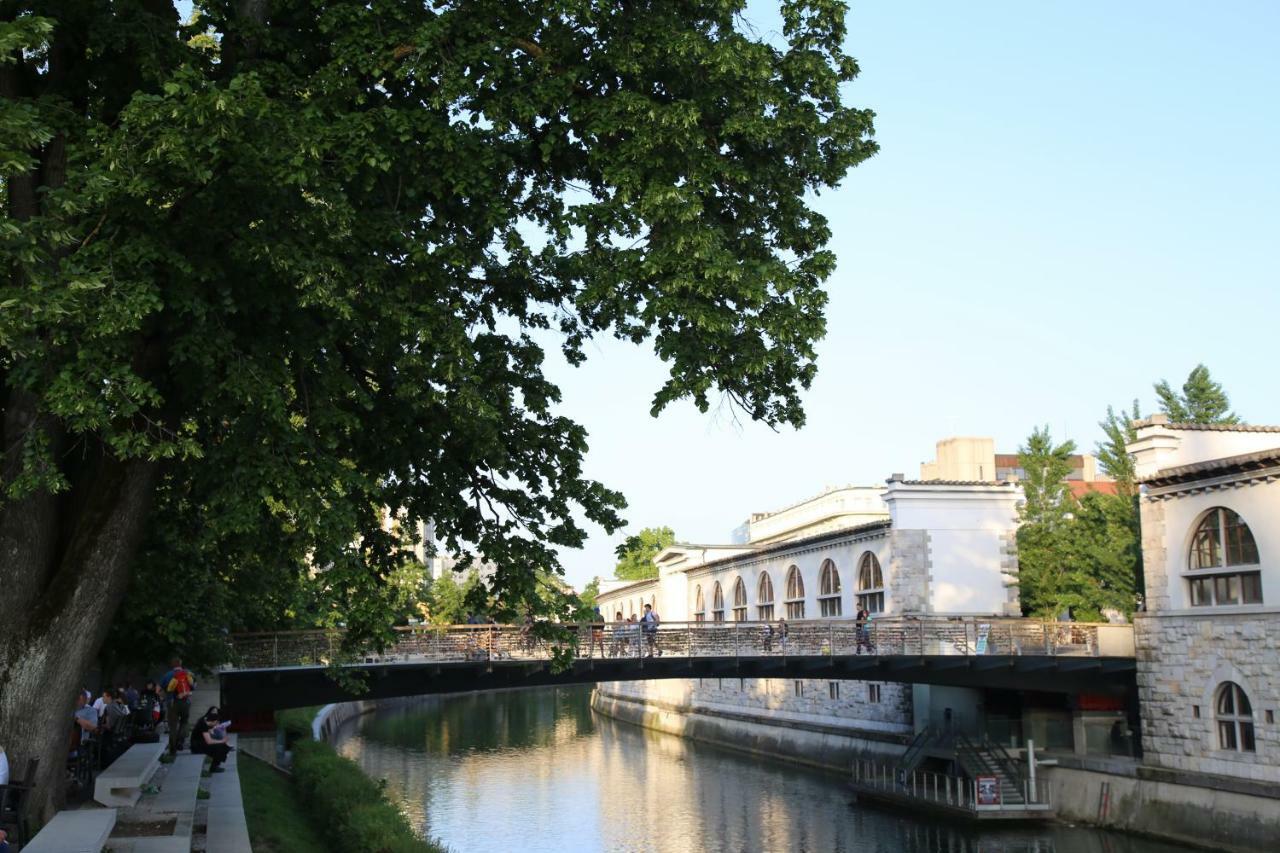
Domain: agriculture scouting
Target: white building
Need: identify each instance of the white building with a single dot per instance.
(1209, 644)
(908, 547)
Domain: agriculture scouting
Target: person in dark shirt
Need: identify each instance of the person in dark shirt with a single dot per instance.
(208, 739)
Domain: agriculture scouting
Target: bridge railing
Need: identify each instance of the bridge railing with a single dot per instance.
(906, 636)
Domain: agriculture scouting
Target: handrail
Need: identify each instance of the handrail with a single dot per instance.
(896, 635)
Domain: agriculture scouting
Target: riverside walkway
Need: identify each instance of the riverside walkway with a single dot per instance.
(298, 668)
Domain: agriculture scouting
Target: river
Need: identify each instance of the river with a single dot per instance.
(537, 771)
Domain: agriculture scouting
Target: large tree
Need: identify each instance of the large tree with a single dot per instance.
(635, 553)
(271, 271)
(1201, 401)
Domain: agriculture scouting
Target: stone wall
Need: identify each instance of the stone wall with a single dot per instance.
(1182, 661)
(1171, 806)
(909, 566)
(803, 720)
(1151, 515)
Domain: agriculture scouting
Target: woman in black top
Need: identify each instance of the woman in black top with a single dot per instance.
(205, 741)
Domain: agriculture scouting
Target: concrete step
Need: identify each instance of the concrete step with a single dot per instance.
(227, 831)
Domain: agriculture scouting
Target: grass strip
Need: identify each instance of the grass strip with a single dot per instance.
(278, 820)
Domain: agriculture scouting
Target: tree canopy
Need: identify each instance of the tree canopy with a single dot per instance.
(1080, 556)
(272, 270)
(1202, 400)
(1118, 432)
(636, 553)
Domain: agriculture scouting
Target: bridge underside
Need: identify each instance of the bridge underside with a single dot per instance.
(252, 690)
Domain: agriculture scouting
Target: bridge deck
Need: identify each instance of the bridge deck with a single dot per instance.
(295, 669)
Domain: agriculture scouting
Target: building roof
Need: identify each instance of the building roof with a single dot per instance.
(1080, 488)
(789, 544)
(1227, 465)
(950, 482)
(1156, 420)
(626, 586)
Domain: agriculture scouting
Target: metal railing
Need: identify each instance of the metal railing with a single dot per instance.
(968, 636)
(943, 789)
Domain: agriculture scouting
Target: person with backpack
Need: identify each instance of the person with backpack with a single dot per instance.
(649, 624)
(178, 686)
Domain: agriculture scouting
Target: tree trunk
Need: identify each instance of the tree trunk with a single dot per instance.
(65, 595)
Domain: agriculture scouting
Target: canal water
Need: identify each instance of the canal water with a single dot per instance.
(537, 771)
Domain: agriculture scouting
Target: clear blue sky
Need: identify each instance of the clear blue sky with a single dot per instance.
(1072, 200)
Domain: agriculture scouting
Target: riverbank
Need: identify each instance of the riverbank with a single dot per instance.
(1121, 795)
(322, 796)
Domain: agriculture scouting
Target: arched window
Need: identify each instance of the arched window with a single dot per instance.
(829, 589)
(1223, 564)
(870, 584)
(795, 594)
(739, 601)
(717, 603)
(699, 605)
(764, 601)
(1235, 718)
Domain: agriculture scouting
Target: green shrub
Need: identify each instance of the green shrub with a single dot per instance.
(349, 804)
(296, 724)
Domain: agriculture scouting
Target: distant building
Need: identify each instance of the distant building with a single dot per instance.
(1208, 645)
(972, 458)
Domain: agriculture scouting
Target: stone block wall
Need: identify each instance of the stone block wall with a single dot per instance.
(1154, 555)
(909, 567)
(852, 705)
(1182, 661)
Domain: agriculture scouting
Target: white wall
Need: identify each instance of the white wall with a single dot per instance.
(967, 527)
(1257, 503)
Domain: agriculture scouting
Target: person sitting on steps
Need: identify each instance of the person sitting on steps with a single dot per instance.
(207, 738)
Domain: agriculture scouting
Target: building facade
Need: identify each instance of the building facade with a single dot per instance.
(910, 547)
(1208, 644)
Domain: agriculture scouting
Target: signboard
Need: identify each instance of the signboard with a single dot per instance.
(984, 630)
(988, 790)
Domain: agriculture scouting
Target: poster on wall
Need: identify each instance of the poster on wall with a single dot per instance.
(988, 790)
(984, 630)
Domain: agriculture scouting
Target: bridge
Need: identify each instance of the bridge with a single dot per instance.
(273, 671)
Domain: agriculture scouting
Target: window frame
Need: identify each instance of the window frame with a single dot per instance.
(1235, 727)
(1213, 578)
(829, 590)
(764, 606)
(717, 603)
(869, 596)
(794, 600)
(739, 601)
(699, 604)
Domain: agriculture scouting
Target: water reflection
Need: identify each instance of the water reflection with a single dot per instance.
(538, 771)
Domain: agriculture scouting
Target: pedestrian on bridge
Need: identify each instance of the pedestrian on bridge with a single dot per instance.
(650, 622)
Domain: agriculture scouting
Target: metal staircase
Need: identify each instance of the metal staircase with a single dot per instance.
(991, 759)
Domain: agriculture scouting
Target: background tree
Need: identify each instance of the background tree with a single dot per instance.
(1077, 556)
(1202, 400)
(1047, 465)
(1118, 431)
(636, 553)
(258, 284)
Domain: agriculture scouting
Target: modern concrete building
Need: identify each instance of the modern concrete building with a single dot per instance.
(969, 458)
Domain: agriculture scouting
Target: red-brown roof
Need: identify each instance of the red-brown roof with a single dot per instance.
(1080, 488)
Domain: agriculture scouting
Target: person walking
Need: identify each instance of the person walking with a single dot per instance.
(649, 624)
(864, 633)
(782, 634)
(597, 633)
(178, 686)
